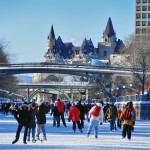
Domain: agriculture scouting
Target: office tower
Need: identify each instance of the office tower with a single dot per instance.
(142, 16)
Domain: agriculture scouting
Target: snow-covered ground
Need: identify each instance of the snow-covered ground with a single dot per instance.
(64, 138)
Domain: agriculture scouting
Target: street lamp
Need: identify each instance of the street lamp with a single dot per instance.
(130, 88)
(123, 88)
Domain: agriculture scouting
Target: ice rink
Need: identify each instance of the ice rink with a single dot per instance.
(64, 138)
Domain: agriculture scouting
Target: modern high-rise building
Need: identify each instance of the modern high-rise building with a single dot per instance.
(142, 16)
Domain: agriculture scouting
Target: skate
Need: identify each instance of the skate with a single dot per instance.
(37, 138)
(44, 140)
(14, 141)
(28, 139)
(96, 136)
(24, 142)
(33, 140)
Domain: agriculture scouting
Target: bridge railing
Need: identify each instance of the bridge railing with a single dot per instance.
(138, 98)
(44, 64)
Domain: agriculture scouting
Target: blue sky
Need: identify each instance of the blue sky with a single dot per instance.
(25, 24)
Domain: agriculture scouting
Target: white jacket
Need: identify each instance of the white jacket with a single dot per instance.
(98, 118)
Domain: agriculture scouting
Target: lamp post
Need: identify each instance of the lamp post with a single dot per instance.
(123, 87)
(130, 88)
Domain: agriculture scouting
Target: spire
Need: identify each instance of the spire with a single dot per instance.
(109, 31)
(52, 34)
(84, 44)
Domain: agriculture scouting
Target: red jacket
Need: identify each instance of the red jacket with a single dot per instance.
(74, 114)
(60, 106)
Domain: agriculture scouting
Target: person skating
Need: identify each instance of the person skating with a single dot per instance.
(82, 113)
(74, 115)
(32, 125)
(41, 120)
(128, 116)
(96, 115)
(23, 116)
(55, 114)
(112, 115)
(61, 109)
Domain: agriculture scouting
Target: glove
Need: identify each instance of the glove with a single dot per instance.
(133, 123)
(101, 123)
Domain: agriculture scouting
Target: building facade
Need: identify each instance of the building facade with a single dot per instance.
(58, 51)
(142, 16)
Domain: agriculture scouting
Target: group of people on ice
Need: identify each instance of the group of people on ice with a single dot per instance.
(33, 118)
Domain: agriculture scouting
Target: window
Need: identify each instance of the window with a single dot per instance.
(138, 30)
(138, 23)
(144, 8)
(138, 8)
(144, 1)
(149, 1)
(138, 15)
(144, 23)
(105, 53)
(143, 30)
(144, 15)
(138, 1)
(148, 15)
(148, 8)
(148, 23)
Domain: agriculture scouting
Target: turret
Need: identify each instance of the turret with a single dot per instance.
(109, 34)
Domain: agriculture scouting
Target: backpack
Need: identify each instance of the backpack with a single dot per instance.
(96, 111)
(127, 114)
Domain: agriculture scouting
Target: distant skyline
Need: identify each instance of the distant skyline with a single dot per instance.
(26, 24)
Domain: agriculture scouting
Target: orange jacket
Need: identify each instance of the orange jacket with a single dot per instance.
(126, 121)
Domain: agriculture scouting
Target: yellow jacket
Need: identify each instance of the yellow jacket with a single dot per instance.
(128, 121)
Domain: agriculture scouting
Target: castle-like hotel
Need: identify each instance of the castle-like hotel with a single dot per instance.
(58, 51)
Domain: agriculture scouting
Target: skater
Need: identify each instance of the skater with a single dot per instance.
(23, 116)
(128, 116)
(112, 115)
(32, 125)
(55, 114)
(96, 115)
(82, 113)
(61, 109)
(74, 115)
(41, 120)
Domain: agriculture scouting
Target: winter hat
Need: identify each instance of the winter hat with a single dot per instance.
(130, 104)
(99, 104)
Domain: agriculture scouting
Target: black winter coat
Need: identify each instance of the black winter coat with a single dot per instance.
(33, 118)
(23, 115)
(55, 111)
(41, 113)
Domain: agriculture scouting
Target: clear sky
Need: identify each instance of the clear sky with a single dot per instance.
(25, 24)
